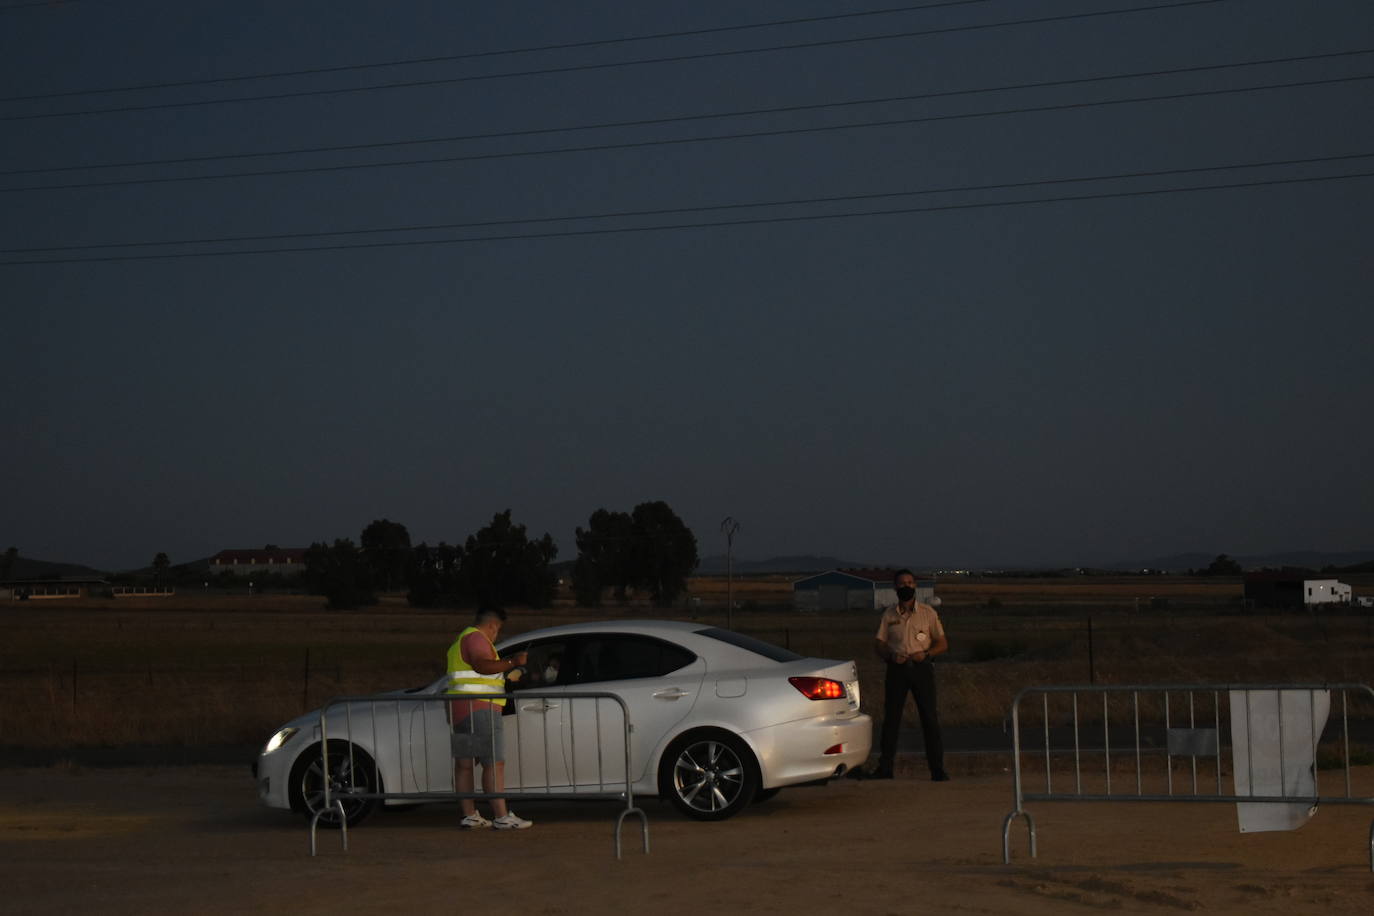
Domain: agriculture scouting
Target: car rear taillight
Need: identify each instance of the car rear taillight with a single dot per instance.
(818, 688)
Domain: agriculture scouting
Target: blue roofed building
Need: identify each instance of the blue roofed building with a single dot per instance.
(854, 589)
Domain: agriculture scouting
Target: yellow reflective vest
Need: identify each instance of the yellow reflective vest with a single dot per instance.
(463, 679)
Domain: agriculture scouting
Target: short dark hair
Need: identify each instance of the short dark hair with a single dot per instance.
(902, 572)
(489, 613)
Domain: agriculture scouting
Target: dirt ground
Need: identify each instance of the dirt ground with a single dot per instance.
(193, 840)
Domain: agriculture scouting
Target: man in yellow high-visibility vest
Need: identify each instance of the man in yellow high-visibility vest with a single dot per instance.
(476, 668)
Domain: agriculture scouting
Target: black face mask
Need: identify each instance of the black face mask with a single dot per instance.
(906, 593)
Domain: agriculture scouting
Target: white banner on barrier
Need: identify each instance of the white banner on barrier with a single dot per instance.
(1273, 733)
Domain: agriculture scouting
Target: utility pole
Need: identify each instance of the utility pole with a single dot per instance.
(729, 527)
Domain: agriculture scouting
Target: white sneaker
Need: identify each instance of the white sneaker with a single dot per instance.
(511, 821)
(474, 821)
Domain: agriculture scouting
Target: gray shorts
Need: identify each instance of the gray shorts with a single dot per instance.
(479, 736)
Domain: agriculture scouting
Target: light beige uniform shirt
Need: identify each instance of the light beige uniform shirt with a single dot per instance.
(909, 633)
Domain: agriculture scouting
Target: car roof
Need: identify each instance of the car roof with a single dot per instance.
(639, 627)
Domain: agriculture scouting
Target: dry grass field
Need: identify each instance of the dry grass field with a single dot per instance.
(199, 670)
(966, 591)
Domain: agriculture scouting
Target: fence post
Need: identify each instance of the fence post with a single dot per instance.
(305, 688)
(1092, 668)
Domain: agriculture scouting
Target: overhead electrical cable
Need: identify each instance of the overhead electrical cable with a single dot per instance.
(758, 221)
(477, 55)
(705, 208)
(679, 119)
(18, 7)
(679, 141)
(549, 71)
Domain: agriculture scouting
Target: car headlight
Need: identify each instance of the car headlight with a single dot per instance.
(279, 739)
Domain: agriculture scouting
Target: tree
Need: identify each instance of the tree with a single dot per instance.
(338, 573)
(1223, 566)
(386, 552)
(7, 562)
(501, 565)
(605, 552)
(160, 564)
(434, 575)
(664, 552)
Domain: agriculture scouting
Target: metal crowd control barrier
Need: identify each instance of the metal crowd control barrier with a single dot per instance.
(1182, 723)
(380, 753)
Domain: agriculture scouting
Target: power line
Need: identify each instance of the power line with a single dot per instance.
(711, 225)
(579, 68)
(640, 144)
(19, 7)
(677, 119)
(475, 55)
(674, 211)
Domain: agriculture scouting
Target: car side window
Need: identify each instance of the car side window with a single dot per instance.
(619, 657)
(544, 667)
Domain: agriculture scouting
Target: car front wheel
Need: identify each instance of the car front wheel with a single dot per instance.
(708, 776)
(351, 773)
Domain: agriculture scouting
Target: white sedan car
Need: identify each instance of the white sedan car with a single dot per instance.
(719, 720)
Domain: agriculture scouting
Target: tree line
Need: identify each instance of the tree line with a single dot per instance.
(648, 551)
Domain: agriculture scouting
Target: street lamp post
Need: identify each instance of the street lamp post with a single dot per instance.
(729, 527)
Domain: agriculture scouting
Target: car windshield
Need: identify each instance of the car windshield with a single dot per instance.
(757, 646)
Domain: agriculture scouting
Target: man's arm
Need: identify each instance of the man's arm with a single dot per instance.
(885, 652)
(937, 645)
(498, 665)
(478, 653)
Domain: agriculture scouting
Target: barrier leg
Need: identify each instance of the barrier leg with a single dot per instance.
(343, 826)
(1006, 834)
(644, 829)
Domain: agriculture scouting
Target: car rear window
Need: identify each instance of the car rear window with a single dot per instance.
(749, 643)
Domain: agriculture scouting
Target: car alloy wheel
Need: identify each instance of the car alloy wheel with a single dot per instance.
(709, 777)
(351, 773)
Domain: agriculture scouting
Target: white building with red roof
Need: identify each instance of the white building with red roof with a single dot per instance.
(284, 561)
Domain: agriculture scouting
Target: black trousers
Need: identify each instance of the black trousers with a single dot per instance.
(917, 678)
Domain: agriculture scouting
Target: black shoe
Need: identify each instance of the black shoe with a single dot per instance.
(939, 776)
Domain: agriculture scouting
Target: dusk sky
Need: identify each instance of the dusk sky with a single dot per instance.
(1057, 282)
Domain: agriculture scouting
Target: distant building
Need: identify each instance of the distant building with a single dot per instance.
(63, 587)
(289, 561)
(854, 589)
(1277, 589)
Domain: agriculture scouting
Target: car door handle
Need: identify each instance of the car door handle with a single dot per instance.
(672, 693)
(538, 706)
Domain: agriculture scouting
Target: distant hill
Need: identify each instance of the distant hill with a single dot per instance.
(715, 565)
(26, 568)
